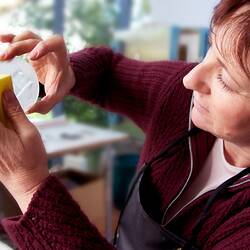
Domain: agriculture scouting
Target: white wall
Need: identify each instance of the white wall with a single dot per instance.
(184, 13)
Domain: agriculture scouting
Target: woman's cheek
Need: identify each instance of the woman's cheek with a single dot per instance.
(229, 118)
(220, 114)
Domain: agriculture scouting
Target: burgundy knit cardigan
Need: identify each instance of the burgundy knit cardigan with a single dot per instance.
(152, 95)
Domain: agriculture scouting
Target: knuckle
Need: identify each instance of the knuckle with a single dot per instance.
(12, 48)
(43, 111)
(30, 129)
(28, 33)
(43, 46)
(22, 36)
(29, 134)
(32, 41)
(15, 110)
(60, 40)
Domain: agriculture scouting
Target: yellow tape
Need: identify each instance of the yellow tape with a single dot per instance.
(5, 83)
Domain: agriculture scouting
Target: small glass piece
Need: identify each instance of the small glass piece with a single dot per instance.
(25, 81)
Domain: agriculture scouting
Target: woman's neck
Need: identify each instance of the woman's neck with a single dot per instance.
(237, 155)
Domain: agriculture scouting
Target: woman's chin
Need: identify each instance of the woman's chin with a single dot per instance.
(199, 120)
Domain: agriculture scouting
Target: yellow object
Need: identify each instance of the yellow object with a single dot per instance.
(5, 83)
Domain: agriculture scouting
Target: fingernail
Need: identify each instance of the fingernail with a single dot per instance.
(2, 56)
(9, 96)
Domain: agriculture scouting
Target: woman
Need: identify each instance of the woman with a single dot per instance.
(192, 189)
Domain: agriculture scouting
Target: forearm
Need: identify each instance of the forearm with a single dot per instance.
(54, 221)
(119, 84)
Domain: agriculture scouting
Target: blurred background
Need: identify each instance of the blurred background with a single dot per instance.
(96, 152)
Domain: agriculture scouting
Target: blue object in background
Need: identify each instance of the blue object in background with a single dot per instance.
(113, 119)
(123, 171)
(58, 28)
(175, 33)
(124, 13)
(174, 42)
(122, 22)
(204, 44)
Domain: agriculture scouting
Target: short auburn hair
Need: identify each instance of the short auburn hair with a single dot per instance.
(234, 17)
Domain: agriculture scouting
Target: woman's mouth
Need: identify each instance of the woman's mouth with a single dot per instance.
(199, 107)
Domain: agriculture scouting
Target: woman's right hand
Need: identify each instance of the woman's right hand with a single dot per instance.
(49, 59)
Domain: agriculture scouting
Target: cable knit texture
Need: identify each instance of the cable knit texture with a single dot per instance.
(153, 96)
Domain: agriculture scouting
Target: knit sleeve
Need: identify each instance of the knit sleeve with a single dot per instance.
(118, 84)
(233, 234)
(53, 221)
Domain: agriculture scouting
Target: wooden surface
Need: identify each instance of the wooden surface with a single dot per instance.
(61, 136)
(91, 198)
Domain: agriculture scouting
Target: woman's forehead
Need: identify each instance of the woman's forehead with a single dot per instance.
(231, 38)
(225, 43)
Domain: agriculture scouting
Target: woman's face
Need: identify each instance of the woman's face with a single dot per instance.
(221, 96)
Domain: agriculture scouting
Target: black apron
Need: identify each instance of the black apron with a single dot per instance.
(136, 230)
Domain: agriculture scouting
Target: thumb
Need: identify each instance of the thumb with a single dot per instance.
(44, 105)
(14, 112)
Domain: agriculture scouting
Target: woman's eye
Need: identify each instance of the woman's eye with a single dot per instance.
(223, 84)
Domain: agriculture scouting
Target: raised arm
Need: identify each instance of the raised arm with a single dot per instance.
(51, 219)
(119, 84)
(97, 75)
(54, 221)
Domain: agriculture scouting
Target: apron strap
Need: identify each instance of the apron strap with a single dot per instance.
(166, 152)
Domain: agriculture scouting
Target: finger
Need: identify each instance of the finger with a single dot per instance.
(6, 38)
(19, 48)
(54, 44)
(25, 36)
(2, 127)
(14, 112)
(44, 105)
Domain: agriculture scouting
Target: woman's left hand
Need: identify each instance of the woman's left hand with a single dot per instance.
(23, 159)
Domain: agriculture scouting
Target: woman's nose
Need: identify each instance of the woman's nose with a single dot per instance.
(196, 79)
